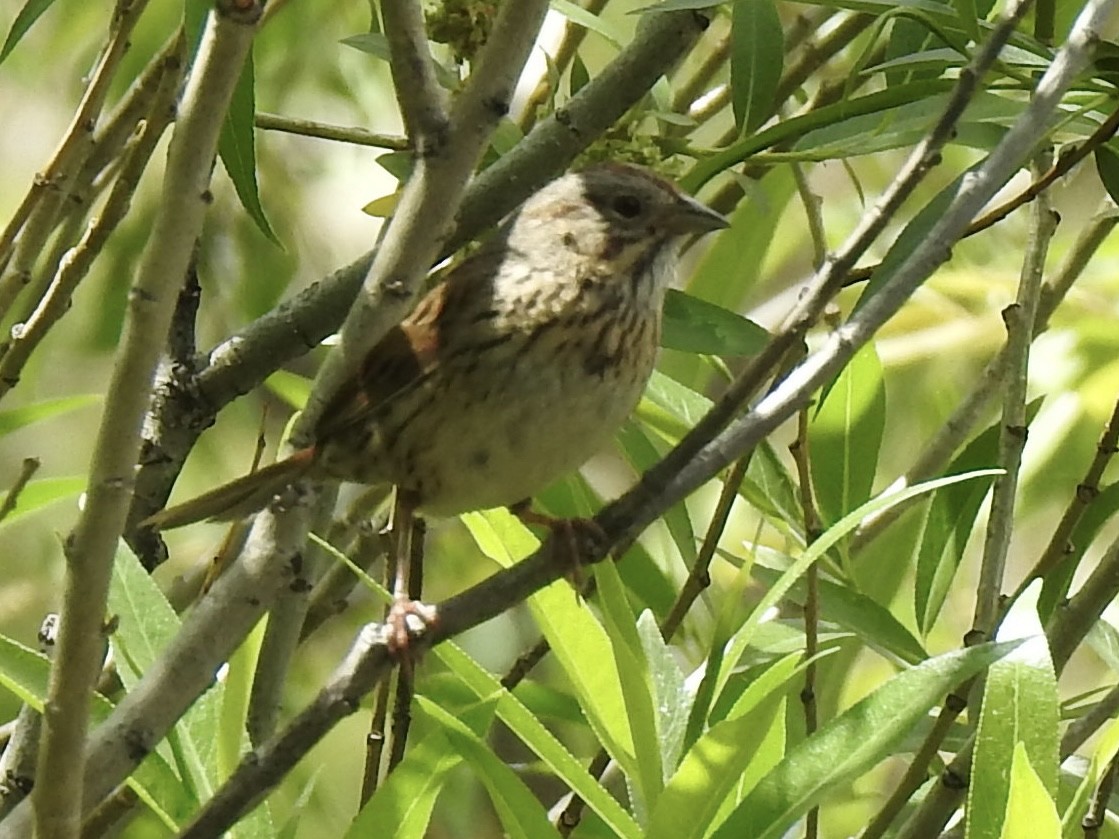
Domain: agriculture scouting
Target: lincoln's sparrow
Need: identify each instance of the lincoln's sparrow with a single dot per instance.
(514, 370)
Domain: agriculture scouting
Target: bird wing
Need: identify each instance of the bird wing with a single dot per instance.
(409, 354)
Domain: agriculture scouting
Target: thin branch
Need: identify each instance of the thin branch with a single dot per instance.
(813, 529)
(1097, 810)
(33, 220)
(324, 131)
(1080, 729)
(699, 576)
(11, 499)
(76, 264)
(1020, 319)
(423, 102)
(92, 546)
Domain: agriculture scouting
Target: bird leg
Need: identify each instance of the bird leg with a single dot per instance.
(407, 615)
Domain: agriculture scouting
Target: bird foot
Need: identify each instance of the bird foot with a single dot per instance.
(407, 620)
(574, 537)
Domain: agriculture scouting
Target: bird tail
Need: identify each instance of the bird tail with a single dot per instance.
(238, 498)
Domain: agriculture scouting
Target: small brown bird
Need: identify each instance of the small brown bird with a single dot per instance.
(514, 370)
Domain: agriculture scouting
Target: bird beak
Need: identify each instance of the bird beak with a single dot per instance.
(690, 216)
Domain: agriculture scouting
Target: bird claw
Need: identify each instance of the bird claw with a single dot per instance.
(407, 620)
(576, 537)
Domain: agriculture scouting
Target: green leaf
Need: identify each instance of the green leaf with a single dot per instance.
(407, 797)
(969, 17)
(732, 266)
(290, 387)
(696, 326)
(788, 130)
(815, 551)
(1030, 806)
(728, 760)
(863, 616)
(845, 435)
(26, 672)
(1107, 166)
(589, 21)
(1020, 708)
(860, 737)
(32, 10)
(676, 6)
(25, 415)
(756, 59)
(636, 684)
(237, 148)
(899, 127)
(512, 712)
(520, 812)
(38, 494)
(672, 700)
(641, 454)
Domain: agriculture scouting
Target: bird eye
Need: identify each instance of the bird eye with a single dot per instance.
(627, 206)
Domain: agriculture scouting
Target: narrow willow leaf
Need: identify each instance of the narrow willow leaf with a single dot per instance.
(146, 624)
(237, 149)
(38, 494)
(577, 639)
(728, 760)
(290, 387)
(672, 701)
(25, 673)
(26, 415)
(32, 10)
(407, 796)
(862, 615)
(1020, 708)
(1107, 167)
(641, 454)
(696, 326)
(857, 739)
(589, 21)
(636, 684)
(968, 17)
(845, 435)
(819, 548)
(733, 264)
(1030, 808)
(676, 6)
(756, 59)
(521, 814)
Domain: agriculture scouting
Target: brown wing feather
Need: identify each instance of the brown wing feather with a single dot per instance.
(401, 360)
(410, 352)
